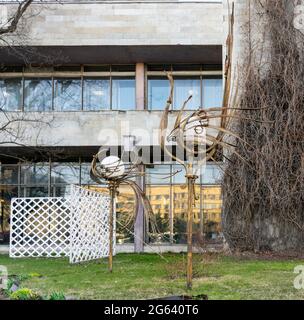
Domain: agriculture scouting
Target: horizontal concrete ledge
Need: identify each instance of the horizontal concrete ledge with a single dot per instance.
(153, 248)
(104, 54)
(116, 1)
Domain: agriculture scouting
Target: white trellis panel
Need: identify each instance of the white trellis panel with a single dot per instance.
(39, 227)
(76, 226)
(90, 227)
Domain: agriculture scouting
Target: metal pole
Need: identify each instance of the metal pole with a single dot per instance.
(112, 188)
(190, 184)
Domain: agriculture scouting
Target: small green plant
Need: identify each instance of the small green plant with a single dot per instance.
(35, 275)
(24, 294)
(57, 296)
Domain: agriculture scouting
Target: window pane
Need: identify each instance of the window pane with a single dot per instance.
(183, 88)
(212, 209)
(125, 207)
(158, 92)
(85, 174)
(212, 175)
(38, 94)
(6, 193)
(96, 94)
(123, 94)
(212, 93)
(180, 212)
(67, 94)
(9, 174)
(65, 173)
(158, 174)
(159, 225)
(11, 94)
(36, 173)
(35, 192)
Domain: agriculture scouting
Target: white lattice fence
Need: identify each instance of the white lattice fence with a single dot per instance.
(90, 227)
(39, 227)
(76, 226)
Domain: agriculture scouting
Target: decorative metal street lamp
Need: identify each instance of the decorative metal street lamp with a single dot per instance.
(114, 172)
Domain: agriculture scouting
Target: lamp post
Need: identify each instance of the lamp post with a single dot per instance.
(114, 172)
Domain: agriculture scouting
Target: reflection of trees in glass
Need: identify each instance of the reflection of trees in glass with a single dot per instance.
(67, 173)
(10, 94)
(38, 94)
(67, 94)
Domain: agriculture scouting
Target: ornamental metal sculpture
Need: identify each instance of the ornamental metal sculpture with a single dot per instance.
(206, 126)
(196, 123)
(114, 172)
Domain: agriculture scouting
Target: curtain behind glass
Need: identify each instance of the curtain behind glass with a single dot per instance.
(183, 88)
(96, 94)
(212, 93)
(158, 92)
(38, 94)
(11, 94)
(123, 94)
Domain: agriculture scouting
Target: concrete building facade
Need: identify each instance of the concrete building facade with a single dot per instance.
(94, 75)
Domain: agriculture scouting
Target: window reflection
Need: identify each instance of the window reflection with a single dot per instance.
(123, 94)
(96, 94)
(66, 173)
(67, 94)
(36, 173)
(11, 94)
(158, 91)
(212, 208)
(38, 94)
(212, 93)
(180, 202)
(125, 207)
(183, 88)
(159, 223)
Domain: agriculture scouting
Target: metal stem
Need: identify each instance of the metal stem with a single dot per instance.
(190, 184)
(112, 189)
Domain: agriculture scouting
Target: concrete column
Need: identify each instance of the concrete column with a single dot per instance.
(139, 225)
(140, 86)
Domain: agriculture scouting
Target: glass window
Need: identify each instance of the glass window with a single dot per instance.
(96, 95)
(67, 94)
(211, 175)
(212, 93)
(123, 94)
(159, 223)
(9, 174)
(65, 173)
(158, 174)
(183, 88)
(35, 192)
(179, 174)
(125, 207)
(38, 94)
(158, 92)
(6, 194)
(212, 209)
(36, 173)
(11, 94)
(85, 174)
(180, 203)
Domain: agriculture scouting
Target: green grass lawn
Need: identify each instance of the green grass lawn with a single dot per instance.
(141, 276)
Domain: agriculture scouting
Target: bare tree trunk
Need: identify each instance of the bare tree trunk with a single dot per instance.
(264, 196)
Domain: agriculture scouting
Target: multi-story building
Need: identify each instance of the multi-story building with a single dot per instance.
(95, 76)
